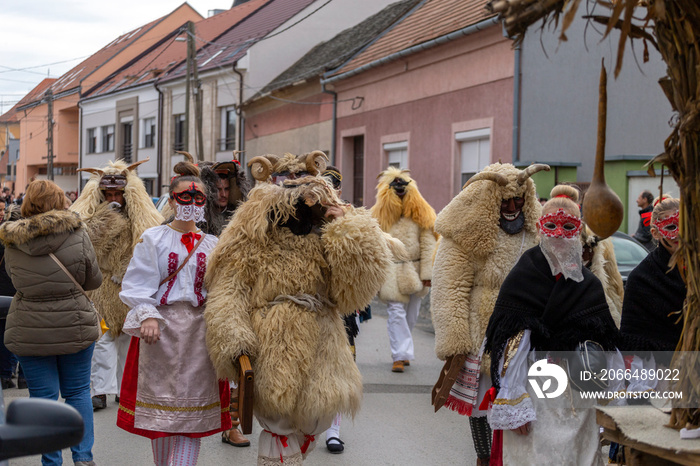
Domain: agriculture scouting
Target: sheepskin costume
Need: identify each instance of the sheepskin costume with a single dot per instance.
(475, 256)
(114, 234)
(604, 266)
(279, 283)
(411, 220)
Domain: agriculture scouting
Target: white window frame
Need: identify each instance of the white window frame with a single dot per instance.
(107, 130)
(396, 154)
(482, 137)
(145, 132)
(91, 148)
(224, 127)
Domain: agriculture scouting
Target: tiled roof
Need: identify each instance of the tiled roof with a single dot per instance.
(73, 78)
(432, 19)
(35, 94)
(327, 55)
(234, 43)
(168, 52)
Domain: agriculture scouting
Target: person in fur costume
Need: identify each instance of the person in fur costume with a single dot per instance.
(116, 210)
(403, 213)
(292, 262)
(227, 186)
(484, 230)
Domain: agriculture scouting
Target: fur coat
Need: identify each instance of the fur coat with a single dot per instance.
(280, 298)
(474, 257)
(604, 266)
(410, 220)
(114, 235)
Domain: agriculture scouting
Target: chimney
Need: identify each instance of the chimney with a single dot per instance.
(238, 2)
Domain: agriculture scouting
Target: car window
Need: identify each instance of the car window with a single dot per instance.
(628, 253)
(161, 202)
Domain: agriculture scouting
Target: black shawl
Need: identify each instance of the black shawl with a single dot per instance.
(559, 313)
(653, 300)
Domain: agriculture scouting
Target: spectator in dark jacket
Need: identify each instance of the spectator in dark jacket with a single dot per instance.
(51, 325)
(643, 234)
(8, 361)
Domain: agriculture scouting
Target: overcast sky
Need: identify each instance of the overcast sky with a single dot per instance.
(38, 34)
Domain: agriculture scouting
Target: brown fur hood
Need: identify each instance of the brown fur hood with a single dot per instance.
(40, 234)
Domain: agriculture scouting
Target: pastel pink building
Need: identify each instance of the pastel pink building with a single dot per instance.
(431, 92)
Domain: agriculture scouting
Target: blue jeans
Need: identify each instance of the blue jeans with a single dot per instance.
(8, 361)
(69, 373)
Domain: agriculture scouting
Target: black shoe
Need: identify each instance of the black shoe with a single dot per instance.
(335, 448)
(99, 402)
(116, 398)
(7, 383)
(21, 383)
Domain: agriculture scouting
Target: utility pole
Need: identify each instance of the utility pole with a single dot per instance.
(197, 92)
(186, 136)
(49, 137)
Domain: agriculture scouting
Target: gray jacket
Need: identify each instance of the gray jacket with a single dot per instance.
(49, 315)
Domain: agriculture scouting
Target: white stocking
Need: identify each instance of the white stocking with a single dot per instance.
(175, 450)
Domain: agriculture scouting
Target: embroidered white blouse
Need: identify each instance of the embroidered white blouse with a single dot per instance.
(513, 406)
(156, 256)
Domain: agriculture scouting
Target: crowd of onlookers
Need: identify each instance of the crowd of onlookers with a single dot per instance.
(8, 197)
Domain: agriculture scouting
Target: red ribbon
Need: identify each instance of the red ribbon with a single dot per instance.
(282, 439)
(307, 441)
(488, 399)
(646, 219)
(188, 240)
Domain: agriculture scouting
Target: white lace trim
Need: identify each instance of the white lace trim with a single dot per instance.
(132, 323)
(507, 417)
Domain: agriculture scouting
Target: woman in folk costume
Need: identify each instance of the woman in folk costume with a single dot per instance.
(484, 231)
(292, 262)
(598, 257)
(172, 403)
(116, 210)
(226, 186)
(403, 213)
(549, 302)
(652, 310)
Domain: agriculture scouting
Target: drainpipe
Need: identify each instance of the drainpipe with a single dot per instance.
(239, 113)
(334, 122)
(159, 152)
(516, 104)
(80, 147)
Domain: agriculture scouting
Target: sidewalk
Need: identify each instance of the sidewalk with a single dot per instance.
(396, 425)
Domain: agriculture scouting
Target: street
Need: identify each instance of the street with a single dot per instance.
(396, 425)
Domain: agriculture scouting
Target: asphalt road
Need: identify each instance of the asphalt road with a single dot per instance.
(396, 426)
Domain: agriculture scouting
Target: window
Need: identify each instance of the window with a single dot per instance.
(148, 132)
(179, 126)
(127, 146)
(91, 140)
(107, 138)
(397, 154)
(228, 129)
(474, 153)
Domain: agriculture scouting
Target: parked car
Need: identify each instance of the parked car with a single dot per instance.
(34, 426)
(628, 253)
(160, 204)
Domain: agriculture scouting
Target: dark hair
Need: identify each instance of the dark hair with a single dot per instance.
(648, 196)
(186, 171)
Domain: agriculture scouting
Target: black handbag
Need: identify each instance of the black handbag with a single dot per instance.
(587, 367)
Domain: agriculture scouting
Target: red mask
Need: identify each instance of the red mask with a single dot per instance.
(559, 225)
(668, 227)
(189, 196)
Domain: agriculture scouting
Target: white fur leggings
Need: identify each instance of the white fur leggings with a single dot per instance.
(175, 451)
